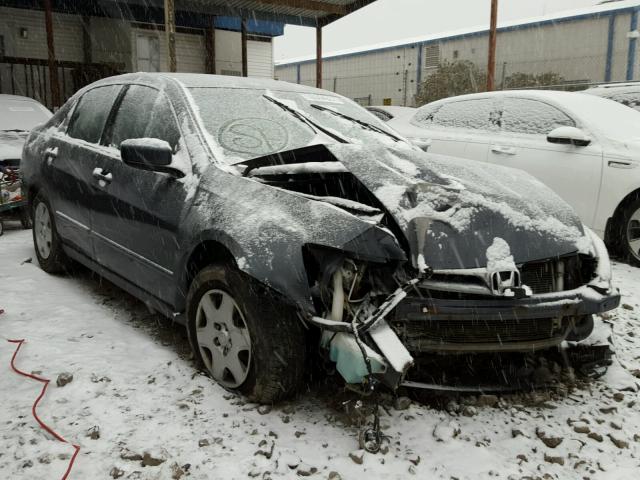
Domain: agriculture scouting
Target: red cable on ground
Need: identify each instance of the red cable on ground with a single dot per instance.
(45, 381)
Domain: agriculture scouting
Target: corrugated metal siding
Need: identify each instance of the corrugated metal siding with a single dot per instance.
(190, 53)
(67, 34)
(260, 59)
(228, 53)
(576, 50)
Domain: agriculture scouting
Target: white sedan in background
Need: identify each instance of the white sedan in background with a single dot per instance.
(625, 93)
(584, 147)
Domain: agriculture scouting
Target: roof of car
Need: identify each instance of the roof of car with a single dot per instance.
(568, 99)
(17, 98)
(607, 86)
(199, 80)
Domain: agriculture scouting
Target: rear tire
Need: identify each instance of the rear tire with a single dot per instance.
(46, 241)
(246, 339)
(630, 230)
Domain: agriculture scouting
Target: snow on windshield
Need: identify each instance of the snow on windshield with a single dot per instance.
(246, 124)
(21, 114)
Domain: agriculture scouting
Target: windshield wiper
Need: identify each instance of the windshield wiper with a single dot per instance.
(17, 130)
(363, 124)
(295, 113)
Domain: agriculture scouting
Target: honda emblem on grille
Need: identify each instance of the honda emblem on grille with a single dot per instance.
(507, 283)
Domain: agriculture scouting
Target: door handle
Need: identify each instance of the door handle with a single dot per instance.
(50, 154)
(503, 150)
(104, 178)
(621, 164)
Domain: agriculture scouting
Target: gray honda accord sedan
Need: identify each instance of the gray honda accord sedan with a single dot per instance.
(275, 220)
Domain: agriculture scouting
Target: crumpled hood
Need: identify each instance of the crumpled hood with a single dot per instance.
(11, 144)
(451, 210)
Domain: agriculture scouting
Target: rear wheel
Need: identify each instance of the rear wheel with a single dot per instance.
(46, 241)
(631, 233)
(247, 340)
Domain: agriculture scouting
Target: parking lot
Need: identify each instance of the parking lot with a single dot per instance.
(156, 416)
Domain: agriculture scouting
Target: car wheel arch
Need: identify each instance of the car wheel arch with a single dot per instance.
(614, 223)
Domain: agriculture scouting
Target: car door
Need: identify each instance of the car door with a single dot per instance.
(573, 172)
(459, 128)
(137, 212)
(69, 162)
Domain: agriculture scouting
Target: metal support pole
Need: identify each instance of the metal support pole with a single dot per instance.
(245, 62)
(491, 68)
(170, 30)
(87, 48)
(319, 56)
(53, 68)
(210, 45)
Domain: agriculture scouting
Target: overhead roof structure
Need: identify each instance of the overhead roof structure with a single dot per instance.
(297, 12)
(294, 12)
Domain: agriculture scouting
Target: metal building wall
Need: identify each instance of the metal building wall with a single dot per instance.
(586, 50)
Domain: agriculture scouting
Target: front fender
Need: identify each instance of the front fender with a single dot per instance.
(265, 229)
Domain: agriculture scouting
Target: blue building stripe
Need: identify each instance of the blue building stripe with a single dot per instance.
(631, 59)
(610, 40)
(298, 74)
(419, 75)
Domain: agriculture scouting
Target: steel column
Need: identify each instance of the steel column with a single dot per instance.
(491, 67)
(170, 30)
(319, 55)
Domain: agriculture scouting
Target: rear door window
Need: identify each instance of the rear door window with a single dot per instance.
(91, 113)
(467, 115)
(532, 117)
(144, 113)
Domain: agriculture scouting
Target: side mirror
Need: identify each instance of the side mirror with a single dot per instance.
(148, 154)
(569, 136)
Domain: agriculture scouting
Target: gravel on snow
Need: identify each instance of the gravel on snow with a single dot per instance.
(139, 408)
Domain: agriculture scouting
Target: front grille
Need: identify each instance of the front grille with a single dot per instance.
(417, 333)
(538, 277)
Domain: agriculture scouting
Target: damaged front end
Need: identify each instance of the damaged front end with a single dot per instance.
(382, 322)
(453, 262)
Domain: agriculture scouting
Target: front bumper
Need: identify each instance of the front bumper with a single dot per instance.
(495, 324)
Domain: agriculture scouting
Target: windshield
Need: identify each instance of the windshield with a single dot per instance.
(249, 123)
(612, 119)
(630, 98)
(21, 114)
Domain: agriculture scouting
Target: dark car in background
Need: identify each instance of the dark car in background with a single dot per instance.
(266, 215)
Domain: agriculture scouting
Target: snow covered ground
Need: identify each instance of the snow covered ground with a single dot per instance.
(134, 381)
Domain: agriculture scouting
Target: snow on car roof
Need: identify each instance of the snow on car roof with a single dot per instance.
(198, 80)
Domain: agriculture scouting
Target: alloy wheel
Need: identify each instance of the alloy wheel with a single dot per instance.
(223, 338)
(43, 230)
(633, 234)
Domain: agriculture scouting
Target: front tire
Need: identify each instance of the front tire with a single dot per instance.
(631, 233)
(244, 337)
(46, 241)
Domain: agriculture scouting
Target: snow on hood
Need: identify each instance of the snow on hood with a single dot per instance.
(452, 209)
(11, 144)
